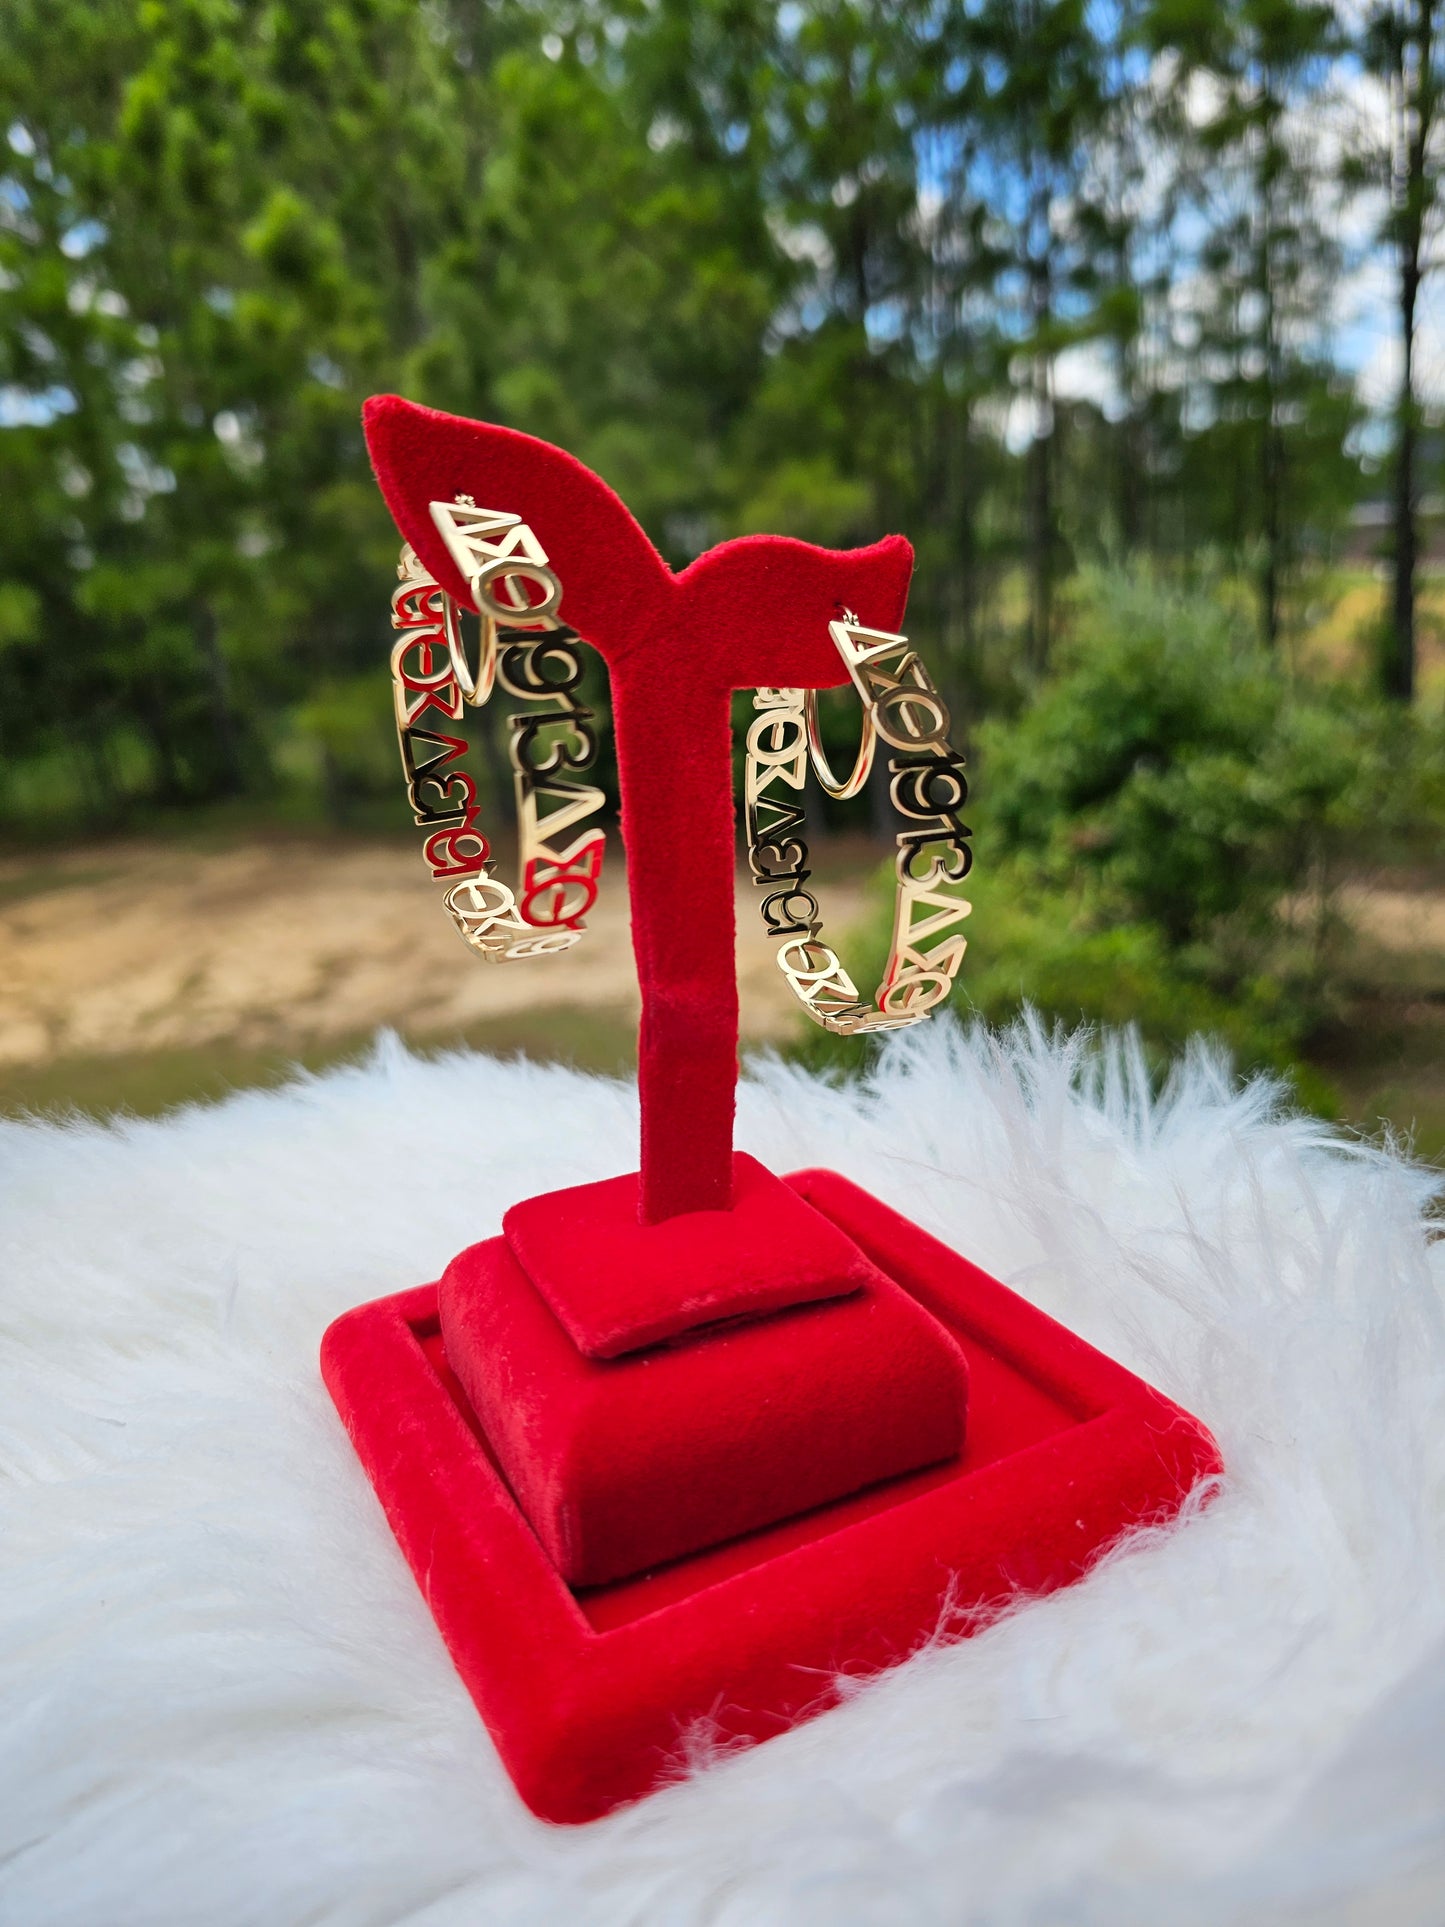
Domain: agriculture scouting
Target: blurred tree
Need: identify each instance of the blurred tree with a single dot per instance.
(1174, 810)
(618, 275)
(1036, 87)
(218, 209)
(1273, 412)
(1401, 50)
(1170, 760)
(1034, 280)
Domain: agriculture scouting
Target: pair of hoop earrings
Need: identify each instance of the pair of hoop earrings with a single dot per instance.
(526, 647)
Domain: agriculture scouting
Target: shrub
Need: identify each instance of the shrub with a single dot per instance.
(1171, 761)
(1162, 833)
(346, 727)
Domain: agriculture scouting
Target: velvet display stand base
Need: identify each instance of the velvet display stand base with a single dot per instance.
(591, 1695)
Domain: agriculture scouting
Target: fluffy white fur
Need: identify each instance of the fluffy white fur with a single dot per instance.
(222, 1699)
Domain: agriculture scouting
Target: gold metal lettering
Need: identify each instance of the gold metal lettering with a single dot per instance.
(536, 659)
(903, 709)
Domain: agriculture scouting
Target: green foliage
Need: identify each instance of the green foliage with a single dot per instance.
(1064, 952)
(967, 270)
(198, 283)
(347, 728)
(1171, 762)
(1161, 834)
(1172, 793)
(19, 613)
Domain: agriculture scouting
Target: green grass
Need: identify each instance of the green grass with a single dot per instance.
(1387, 1072)
(149, 1083)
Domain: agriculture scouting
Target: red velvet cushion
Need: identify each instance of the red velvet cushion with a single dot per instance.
(621, 1464)
(615, 1285)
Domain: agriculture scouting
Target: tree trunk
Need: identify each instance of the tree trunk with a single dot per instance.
(1411, 191)
(1271, 451)
(170, 787)
(1039, 480)
(336, 799)
(1399, 666)
(966, 579)
(228, 779)
(1268, 165)
(1271, 478)
(1041, 525)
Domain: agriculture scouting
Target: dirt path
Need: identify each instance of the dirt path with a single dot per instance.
(155, 973)
(1399, 920)
(272, 945)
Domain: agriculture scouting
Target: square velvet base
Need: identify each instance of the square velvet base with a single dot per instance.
(590, 1695)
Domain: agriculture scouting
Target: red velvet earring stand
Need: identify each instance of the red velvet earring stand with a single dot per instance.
(679, 1447)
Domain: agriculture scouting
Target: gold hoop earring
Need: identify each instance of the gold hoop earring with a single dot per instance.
(933, 856)
(535, 658)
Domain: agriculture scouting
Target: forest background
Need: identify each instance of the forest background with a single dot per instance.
(1124, 312)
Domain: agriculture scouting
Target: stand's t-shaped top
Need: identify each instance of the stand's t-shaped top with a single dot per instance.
(752, 613)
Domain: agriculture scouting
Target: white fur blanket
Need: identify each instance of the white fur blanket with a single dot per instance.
(222, 1699)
